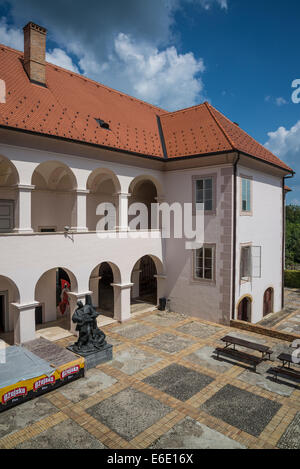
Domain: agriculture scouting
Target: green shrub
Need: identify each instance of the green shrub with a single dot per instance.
(292, 278)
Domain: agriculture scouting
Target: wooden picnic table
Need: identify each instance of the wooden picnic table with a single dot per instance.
(235, 341)
(286, 359)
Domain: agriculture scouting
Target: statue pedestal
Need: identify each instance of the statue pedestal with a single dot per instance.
(96, 357)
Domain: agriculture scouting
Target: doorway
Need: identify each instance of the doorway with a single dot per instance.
(244, 310)
(106, 290)
(268, 301)
(148, 281)
(3, 312)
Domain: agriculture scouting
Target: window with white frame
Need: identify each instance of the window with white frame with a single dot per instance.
(6, 216)
(204, 263)
(250, 262)
(204, 193)
(246, 195)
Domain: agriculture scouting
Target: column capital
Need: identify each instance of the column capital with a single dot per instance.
(123, 194)
(27, 306)
(82, 191)
(79, 296)
(122, 286)
(25, 187)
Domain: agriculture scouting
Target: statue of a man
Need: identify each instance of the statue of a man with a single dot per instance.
(90, 336)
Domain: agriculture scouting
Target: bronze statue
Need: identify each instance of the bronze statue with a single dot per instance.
(91, 338)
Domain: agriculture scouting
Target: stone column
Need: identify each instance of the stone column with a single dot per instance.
(73, 299)
(23, 209)
(122, 296)
(94, 286)
(24, 322)
(136, 283)
(80, 211)
(161, 286)
(122, 211)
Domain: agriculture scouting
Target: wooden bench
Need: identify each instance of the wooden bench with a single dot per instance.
(240, 356)
(235, 341)
(288, 372)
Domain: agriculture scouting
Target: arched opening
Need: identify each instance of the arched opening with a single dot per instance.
(103, 185)
(245, 309)
(101, 280)
(9, 179)
(268, 301)
(144, 279)
(9, 294)
(51, 293)
(54, 197)
(145, 191)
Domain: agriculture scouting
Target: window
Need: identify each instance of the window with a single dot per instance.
(6, 216)
(204, 193)
(246, 195)
(250, 262)
(246, 263)
(204, 263)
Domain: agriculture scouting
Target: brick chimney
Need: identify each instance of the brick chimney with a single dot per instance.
(35, 53)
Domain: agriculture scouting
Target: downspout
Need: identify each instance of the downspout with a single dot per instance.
(283, 236)
(234, 233)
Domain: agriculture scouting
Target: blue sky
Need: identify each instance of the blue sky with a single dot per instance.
(240, 55)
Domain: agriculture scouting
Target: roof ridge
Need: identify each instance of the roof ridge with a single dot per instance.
(90, 80)
(171, 113)
(231, 142)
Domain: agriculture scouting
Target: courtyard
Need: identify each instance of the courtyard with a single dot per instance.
(164, 389)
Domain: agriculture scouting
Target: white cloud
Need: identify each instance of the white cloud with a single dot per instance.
(132, 49)
(285, 142)
(165, 78)
(10, 36)
(280, 101)
(59, 57)
(207, 4)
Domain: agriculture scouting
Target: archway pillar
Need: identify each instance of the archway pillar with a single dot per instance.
(161, 286)
(122, 211)
(73, 300)
(23, 209)
(24, 322)
(122, 297)
(80, 217)
(94, 287)
(136, 283)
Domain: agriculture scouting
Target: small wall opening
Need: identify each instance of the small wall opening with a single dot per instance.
(268, 302)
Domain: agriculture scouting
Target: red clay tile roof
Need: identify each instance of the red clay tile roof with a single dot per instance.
(287, 189)
(71, 103)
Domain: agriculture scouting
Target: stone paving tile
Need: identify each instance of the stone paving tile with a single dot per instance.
(131, 360)
(241, 409)
(266, 381)
(93, 382)
(190, 434)
(129, 412)
(291, 437)
(199, 330)
(24, 415)
(165, 319)
(179, 382)
(169, 343)
(205, 357)
(134, 331)
(66, 435)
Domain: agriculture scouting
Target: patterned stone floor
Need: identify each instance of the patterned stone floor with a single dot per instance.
(287, 320)
(163, 389)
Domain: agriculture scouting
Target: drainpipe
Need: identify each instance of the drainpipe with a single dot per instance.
(283, 235)
(234, 232)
